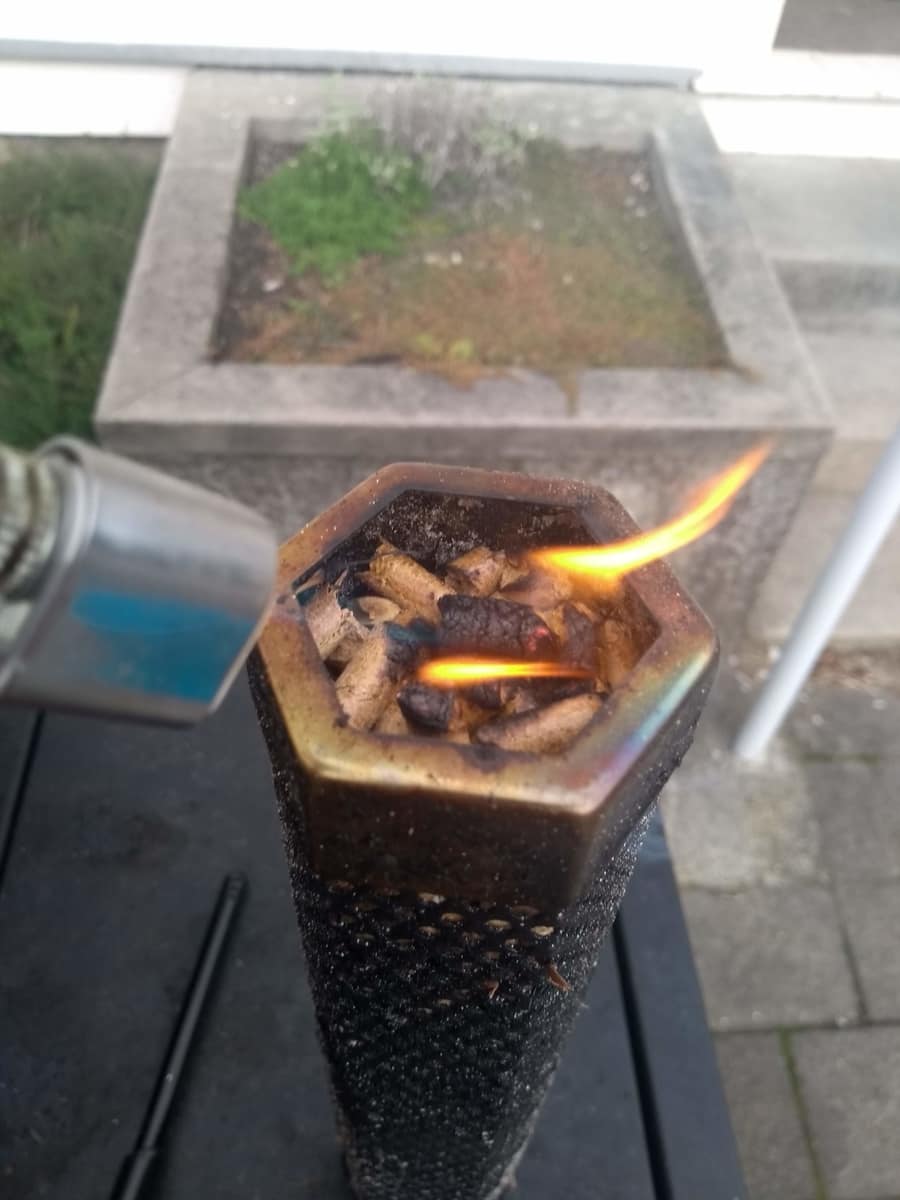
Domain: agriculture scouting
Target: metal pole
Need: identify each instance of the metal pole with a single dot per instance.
(872, 518)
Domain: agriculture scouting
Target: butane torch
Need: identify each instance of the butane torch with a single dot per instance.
(124, 591)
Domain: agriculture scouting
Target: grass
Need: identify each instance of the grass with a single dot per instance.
(69, 222)
(342, 196)
(553, 260)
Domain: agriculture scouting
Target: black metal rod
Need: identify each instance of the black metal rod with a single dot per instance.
(136, 1167)
(12, 796)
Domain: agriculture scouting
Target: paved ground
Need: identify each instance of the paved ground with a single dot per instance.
(791, 883)
(841, 26)
(832, 230)
(791, 869)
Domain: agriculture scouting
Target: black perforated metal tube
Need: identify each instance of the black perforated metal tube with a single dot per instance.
(443, 1022)
(442, 1019)
(453, 899)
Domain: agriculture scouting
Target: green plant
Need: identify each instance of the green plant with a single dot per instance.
(344, 195)
(68, 225)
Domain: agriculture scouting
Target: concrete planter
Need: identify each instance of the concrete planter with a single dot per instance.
(290, 439)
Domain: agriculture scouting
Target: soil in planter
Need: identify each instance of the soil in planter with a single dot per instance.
(558, 260)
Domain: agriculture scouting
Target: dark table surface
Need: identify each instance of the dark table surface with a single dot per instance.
(118, 838)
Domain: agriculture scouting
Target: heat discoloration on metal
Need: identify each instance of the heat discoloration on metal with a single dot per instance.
(469, 820)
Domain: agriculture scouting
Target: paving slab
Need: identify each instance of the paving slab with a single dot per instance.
(873, 615)
(849, 312)
(840, 26)
(831, 721)
(871, 912)
(764, 1115)
(732, 825)
(859, 370)
(837, 297)
(821, 209)
(770, 957)
(859, 818)
(849, 1084)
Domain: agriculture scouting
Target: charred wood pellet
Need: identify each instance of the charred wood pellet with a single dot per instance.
(520, 698)
(545, 730)
(487, 695)
(478, 625)
(478, 572)
(368, 682)
(535, 693)
(427, 707)
(401, 579)
(579, 646)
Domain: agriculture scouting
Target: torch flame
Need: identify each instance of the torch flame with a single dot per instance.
(618, 558)
(455, 672)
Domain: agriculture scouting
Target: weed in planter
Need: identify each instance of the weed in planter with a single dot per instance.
(342, 196)
(69, 221)
(516, 252)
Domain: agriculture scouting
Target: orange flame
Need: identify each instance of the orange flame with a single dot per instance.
(456, 672)
(618, 558)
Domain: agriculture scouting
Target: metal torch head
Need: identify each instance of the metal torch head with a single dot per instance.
(128, 592)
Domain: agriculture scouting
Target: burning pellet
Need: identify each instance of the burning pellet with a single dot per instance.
(428, 707)
(520, 698)
(579, 646)
(512, 571)
(544, 730)
(366, 685)
(478, 625)
(378, 608)
(401, 579)
(541, 589)
(576, 635)
(326, 618)
(618, 651)
(487, 695)
(477, 572)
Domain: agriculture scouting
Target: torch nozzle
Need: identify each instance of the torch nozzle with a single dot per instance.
(124, 591)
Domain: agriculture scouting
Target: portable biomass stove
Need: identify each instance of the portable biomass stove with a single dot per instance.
(466, 741)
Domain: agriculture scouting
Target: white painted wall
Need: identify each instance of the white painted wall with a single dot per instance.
(690, 34)
(729, 40)
(73, 99)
